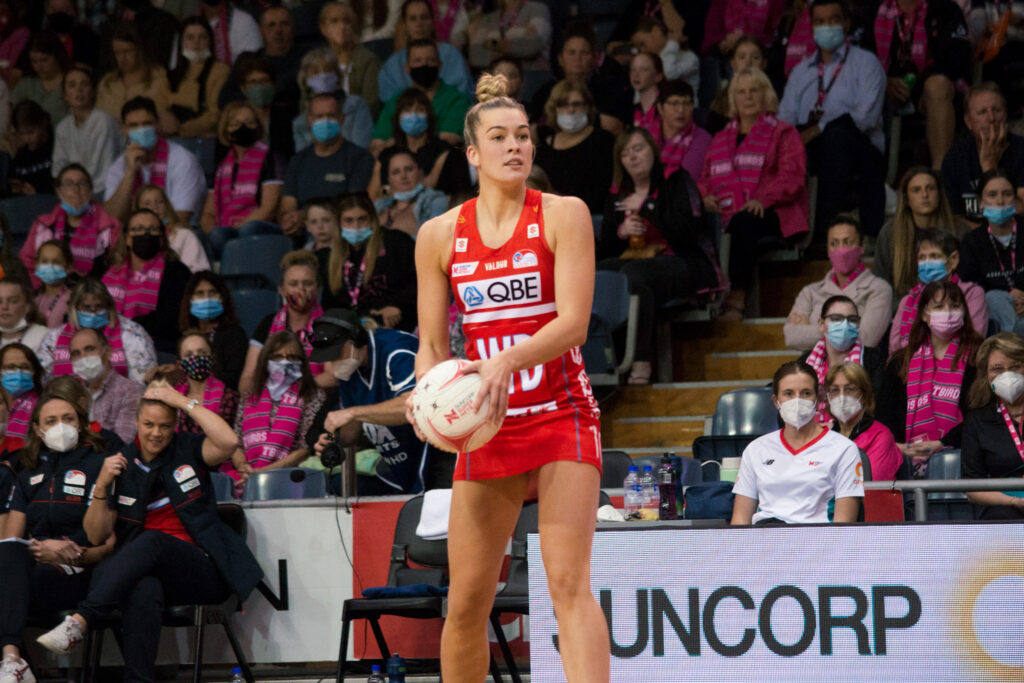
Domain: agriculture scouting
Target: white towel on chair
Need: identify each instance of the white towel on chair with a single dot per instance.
(433, 524)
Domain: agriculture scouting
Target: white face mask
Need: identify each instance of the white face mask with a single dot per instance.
(844, 408)
(345, 368)
(574, 122)
(18, 327)
(61, 437)
(797, 412)
(88, 367)
(195, 55)
(1008, 386)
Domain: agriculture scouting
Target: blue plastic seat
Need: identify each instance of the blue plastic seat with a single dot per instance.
(947, 505)
(613, 307)
(748, 411)
(254, 261)
(288, 482)
(253, 305)
(223, 486)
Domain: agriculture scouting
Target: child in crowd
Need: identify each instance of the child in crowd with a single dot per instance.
(651, 36)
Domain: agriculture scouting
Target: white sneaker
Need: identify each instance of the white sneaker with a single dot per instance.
(14, 669)
(64, 637)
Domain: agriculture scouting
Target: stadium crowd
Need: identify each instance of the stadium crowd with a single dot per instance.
(164, 130)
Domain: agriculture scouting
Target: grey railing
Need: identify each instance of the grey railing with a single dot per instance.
(922, 487)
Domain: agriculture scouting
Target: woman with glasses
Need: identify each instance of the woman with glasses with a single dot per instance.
(839, 327)
(78, 220)
(273, 418)
(146, 277)
(851, 401)
(683, 143)
(848, 277)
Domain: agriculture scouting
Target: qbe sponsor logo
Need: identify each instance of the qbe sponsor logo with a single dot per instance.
(502, 291)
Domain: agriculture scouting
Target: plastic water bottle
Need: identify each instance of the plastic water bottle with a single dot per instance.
(236, 675)
(650, 494)
(375, 675)
(396, 669)
(667, 489)
(632, 494)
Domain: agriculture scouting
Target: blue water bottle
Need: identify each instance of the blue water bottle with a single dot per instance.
(396, 669)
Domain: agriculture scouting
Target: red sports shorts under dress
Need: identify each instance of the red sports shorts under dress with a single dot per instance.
(506, 295)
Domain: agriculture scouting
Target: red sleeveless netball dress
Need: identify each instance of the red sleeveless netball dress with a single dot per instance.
(505, 296)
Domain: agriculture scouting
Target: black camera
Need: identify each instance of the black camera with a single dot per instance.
(333, 453)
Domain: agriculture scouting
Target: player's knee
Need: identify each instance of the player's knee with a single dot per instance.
(567, 587)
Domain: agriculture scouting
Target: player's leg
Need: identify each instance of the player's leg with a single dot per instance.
(483, 516)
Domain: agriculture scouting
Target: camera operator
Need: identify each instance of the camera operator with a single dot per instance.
(375, 369)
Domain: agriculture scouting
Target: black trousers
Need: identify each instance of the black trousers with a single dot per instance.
(28, 590)
(839, 155)
(152, 571)
(1001, 512)
(655, 281)
(747, 231)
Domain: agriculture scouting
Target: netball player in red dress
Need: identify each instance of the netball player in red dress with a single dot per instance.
(521, 267)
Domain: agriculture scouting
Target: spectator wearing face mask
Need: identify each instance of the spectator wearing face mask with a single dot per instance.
(183, 240)
(320, 74)
(195, 84)
(114, 396)
(848, 277)
(197, 381)
(573, 150)
(851, 401)
(207, 306)
(19, 319)
(415, 130)
(53, 260)
(409, 203)
(22, 380)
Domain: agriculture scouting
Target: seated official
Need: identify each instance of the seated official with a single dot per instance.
(171, 546)
(60, 464)
(777, 484)
(78, 220)
(207, 306)
(375, 371)
(76, 392)
(53, 261)
(991, 445)
(19, 319)
(276, 414)
(22, 382)
(91, 306)
(851, 401)
(938, 260)
(182, 239)
(992, 255)
(146, 279)
(848, 277)
(840, 342)
(923, 393)
(409, 203)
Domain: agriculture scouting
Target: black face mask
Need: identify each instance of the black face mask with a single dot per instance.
(424, 76)
(146, 246)
(245, 136)
(61, 22)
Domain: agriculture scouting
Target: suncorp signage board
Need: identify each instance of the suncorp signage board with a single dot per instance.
(932, 602)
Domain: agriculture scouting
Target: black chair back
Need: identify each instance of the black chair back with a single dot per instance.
(407, 546)
(614, 468)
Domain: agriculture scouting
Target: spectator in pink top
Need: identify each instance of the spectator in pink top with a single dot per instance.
(683, 143)
(851, 401)
(730, 20)
(753, 177)
(645, 76)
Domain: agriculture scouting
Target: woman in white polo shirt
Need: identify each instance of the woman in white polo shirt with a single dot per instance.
(789, 476)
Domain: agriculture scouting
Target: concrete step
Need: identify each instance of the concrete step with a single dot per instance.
(781, 282)
(745, 364)
(650, 432)
(692, 344)
(674, 399)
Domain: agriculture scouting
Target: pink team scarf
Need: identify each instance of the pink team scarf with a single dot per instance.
(84, 241)
(21, 414)
(648, 120)
(268, 431)
(736, 171)
(933, 393)
(890, 18)
(237, 183)
(135, 292)
(62, 350)
(909, 310)
(853, 276)
(443, 25)
(158, 170)
(222, 36)
(280, 324)
(818, 359)
(801, 41)
(749, 17)
(213, 393)
(674, 150)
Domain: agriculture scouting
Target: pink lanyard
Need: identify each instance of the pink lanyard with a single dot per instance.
(1013, 430)
(1013, 254)
(353, 291)
(822, 90)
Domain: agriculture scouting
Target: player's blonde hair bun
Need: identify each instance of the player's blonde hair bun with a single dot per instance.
(491, 87)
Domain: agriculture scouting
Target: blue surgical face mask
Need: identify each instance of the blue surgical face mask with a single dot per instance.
(144, 136)
(323, 83)
(997, 215)
(413, 123)
(50, 273)
(326, 130)
(829, 37)
(74, 211)
(410, 195)
(931, 271)
(206, 309)
(356, 236)
(17, 382)
(842, 335)
(95, 321)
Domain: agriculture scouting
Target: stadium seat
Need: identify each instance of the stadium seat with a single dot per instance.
(21, 212)
(747, 411)
(223, 486)
(287, 482)
(947, 504)
(205, 150)
(613, 307)
(514, 598)
(713, 448)
(866, 465)
(614, 468)
(253, 305)
(254, 261)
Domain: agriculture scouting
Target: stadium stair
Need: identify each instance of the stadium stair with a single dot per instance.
(709, 359)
